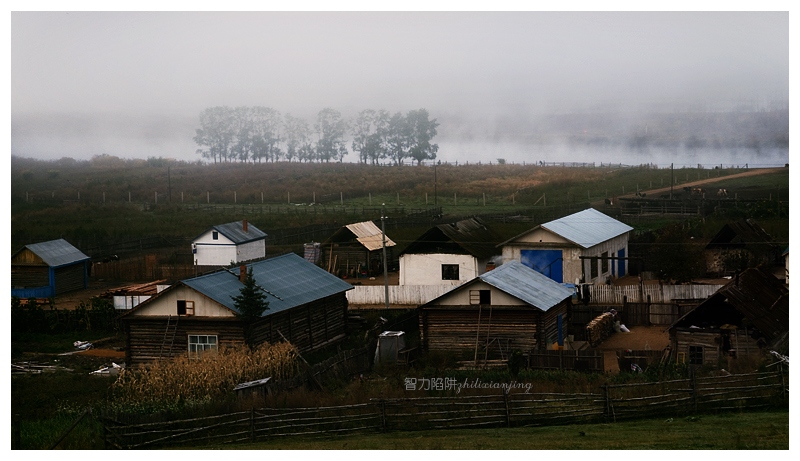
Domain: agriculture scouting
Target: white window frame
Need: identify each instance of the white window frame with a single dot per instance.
(198, 344)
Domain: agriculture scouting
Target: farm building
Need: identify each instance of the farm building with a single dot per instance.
(588, 246)
(230, 243)
(307, 307)
(128, 297)
(48, 269)
(740, 245)
(510, 308)
(449, 254)
(743, 317)
(356, 249)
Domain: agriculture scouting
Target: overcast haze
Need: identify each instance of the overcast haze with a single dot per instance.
(133, 84)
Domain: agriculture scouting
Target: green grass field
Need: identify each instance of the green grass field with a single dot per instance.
(729, 431)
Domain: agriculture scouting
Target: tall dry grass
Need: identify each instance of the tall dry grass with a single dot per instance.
(210, 377)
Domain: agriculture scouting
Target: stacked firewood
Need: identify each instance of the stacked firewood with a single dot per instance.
(600, 328)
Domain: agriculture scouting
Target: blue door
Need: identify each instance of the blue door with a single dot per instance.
(547, 262)
(621, 263)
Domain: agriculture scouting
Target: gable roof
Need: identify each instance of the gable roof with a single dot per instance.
(366, 233)
(585, 228)
(234, 231)
(757, 295)
(55, 253)
(290, 281)
(524, 283)
(740, 234)
(470, 236)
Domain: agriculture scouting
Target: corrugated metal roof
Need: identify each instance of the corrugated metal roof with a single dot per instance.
(587, 228)
(526, 284)
(57, 253)
(234, 231)
(470, 236)
(369, 235)
(291, 281)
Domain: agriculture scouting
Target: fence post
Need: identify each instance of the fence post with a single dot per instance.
(508, 409)
(252, 424)
(609, 408)
(382, 404)
(693, 388)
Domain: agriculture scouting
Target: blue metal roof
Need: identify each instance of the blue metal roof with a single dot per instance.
(526, 284)
(56, 253)
(289, 280)
(587, 228)
(234, 231)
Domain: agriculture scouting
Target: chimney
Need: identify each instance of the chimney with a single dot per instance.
(242, 273)
(244, 226)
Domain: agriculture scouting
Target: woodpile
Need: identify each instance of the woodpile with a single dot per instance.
(600, 328)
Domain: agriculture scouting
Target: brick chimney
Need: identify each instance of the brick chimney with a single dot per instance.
(242, 273)
(244, 226)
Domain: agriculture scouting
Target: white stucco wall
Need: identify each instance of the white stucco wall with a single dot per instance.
(167, 304)
(250, 250)
(426, 269)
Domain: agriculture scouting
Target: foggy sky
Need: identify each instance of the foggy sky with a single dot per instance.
(132, 84)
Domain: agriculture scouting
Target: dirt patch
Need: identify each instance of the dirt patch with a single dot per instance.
(640, 338)
(105, 353)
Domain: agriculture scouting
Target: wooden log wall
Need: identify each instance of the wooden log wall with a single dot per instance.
(501, 329)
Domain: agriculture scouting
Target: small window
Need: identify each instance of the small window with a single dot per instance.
(202, 343)
(695, 355)
(604, 263)
(214, 235)
(480, 297)
(449, 271)
(185, 307)
(594, 263)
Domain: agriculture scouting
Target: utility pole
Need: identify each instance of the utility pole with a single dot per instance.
(671, 178)
(385, 267)
(435, 196)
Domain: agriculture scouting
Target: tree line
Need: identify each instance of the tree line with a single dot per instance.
(262, 134)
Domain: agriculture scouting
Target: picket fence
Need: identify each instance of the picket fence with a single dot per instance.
(415, 295)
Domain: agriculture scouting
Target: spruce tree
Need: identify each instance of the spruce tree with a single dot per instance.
(251, 304)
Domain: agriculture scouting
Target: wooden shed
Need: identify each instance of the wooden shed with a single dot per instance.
(510, 308)
(739, 245)
(742, 318)
(307, 307)
(48, 269)
(356, 249)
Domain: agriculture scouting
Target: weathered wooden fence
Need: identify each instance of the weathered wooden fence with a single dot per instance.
(512, 407)
(584, 360)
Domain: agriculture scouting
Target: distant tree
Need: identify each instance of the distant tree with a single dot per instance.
(242, 126)
(250, 304)
(216, 133)
(398, 138)
(331, 128)
(296, 133)
(266, 133)
(370, 130)
(421, 131)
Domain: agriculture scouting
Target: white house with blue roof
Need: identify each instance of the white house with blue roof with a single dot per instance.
(588, 246)
(230, 243)
(511, 308)
(307, 307)
(47, 269)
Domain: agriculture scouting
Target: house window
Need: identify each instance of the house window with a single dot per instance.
(449, 271)
(594, 263)
(185, 307)
(202, 343)
(604, 263)
(695, 355)
(214, 235)
(480, 297)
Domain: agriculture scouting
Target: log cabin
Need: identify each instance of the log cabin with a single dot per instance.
(307, 307)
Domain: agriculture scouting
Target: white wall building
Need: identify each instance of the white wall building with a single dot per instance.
(224, 244)
(587, 245)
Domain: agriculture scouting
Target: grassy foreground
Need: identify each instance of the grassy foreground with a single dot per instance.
(729, 431)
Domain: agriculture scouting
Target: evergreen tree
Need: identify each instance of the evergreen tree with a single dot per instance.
(251, 304)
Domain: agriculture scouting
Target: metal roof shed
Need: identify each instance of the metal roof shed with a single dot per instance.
(46, 269)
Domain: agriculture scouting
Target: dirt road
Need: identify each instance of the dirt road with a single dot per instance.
(703, 182)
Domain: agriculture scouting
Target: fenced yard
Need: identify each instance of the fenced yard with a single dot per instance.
(495, 408)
